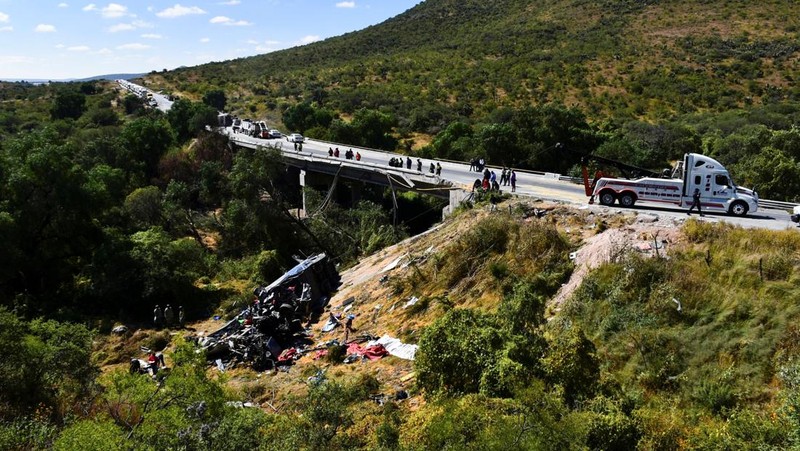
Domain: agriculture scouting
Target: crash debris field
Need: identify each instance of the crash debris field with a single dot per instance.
(389, 298)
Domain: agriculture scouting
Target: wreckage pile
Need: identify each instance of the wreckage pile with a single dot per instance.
(264, 333)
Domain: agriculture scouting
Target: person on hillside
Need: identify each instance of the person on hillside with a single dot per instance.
(169, 315)
(419, 165)
(158, 317)
(486, 174)
(182, 316)
(513, 179)
(485, 185)
(476, 185)
(438, 169)
(695, 202)
(348, 327)
(495, 186)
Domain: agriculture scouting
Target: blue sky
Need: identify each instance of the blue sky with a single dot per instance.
(75, 39)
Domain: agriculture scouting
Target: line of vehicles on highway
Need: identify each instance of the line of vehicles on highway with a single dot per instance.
(256, 129)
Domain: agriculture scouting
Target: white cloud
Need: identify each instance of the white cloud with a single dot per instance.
(151, 36)
(104, 51)
(114, 10)
(251, 42)
(121, 27)
(44, 28)
(4, 17)
(229, 22)
(309, 39)
(90, 7)
(231, 2)
(62, 5)
(178, 10)
(204, 40)
(133, 46)
(78, 48)
(60, 46)
(346, 5)
(7, 28)
(129, 26)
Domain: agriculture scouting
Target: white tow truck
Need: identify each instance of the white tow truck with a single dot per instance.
(718, 193)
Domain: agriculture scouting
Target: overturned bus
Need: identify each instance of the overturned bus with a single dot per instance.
(275, 319)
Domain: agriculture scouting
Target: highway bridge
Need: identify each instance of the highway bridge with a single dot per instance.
(456, 179)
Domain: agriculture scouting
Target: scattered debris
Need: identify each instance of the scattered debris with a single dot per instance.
(120, 330)
(270, 332)
(411, 302)
(396, 347)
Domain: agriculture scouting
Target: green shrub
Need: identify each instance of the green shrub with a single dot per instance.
(91, 435)
(609, 427)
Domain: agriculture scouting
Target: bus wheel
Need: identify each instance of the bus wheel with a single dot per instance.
(607, 198)
(738, 208)
(627, 200)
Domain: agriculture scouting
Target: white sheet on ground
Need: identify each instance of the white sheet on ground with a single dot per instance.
(396, 347)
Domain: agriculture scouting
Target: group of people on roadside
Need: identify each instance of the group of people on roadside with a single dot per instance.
(490, 182)
(348, 154)
(397, 162)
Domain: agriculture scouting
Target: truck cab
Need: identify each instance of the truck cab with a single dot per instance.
(717, 190)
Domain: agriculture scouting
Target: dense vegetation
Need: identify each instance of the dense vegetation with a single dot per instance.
(107, 208)
(641, 81)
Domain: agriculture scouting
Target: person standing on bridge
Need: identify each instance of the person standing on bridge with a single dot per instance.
(358, 156)
(513, 178)
(419, 165)
(432, 168)
(438, 169)
(336, 153)
(330, 151)
(408, 163)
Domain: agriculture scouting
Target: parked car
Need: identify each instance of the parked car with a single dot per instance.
(295, 138)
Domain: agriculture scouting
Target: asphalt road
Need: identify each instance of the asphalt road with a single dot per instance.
(545, 187)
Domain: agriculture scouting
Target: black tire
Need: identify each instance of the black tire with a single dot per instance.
(607, 198)
(627, 200)
(738, 208)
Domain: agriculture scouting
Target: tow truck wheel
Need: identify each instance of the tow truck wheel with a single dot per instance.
(627, 200)
(607, 198)
(738, 208)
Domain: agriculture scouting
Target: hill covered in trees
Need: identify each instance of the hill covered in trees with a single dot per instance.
(640, 81)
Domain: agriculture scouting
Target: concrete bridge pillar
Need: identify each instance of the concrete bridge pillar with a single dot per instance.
(456, 197)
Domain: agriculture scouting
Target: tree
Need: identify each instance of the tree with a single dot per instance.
(374, 129)
(455, 351)
(146, 140)
(216, 99)
(68, 104)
